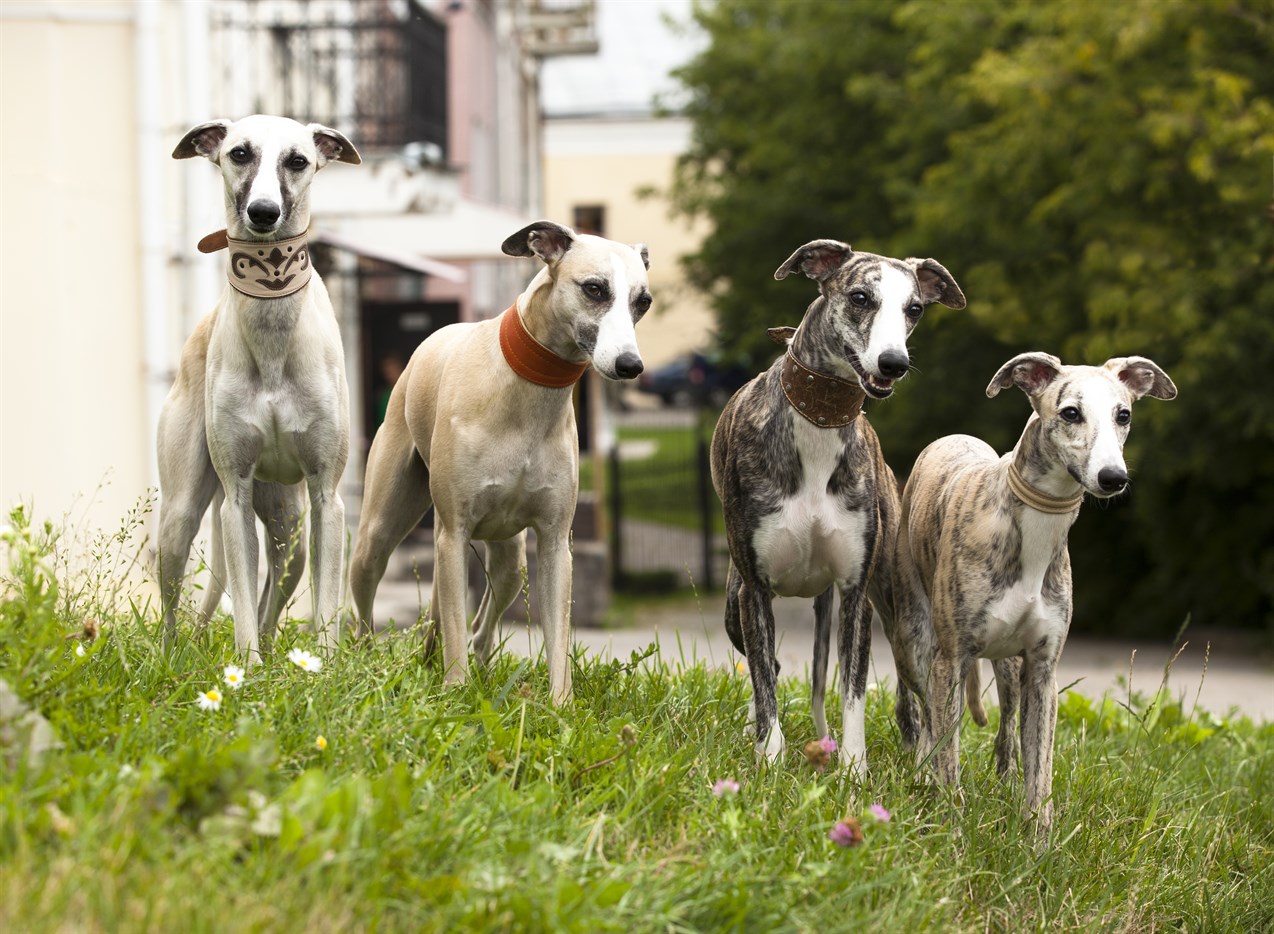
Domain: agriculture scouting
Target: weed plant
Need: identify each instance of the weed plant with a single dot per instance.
(367, 796)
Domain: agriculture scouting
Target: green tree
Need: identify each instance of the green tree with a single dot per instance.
(1096, 175)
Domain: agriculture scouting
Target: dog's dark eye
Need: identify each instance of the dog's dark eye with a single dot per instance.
(1123, 417)
(594, 290)
(297, 163)
(240, 155)
(915, 311)
(643, 304)
(1071, 414)
(858, 298)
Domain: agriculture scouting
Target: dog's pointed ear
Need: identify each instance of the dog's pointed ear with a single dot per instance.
(936, 284)
(644, 253)
(332, 146)
(818, 259)
(203, 140)
(1029, 372)
(1143, 376)
(545, 239)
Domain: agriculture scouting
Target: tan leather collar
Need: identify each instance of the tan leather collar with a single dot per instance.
(825, 401)
(263, 268)
(1040, 501)
(530, 359)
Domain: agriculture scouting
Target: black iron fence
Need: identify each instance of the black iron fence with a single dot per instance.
(666, 530)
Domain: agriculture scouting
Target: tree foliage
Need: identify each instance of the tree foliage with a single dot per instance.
(1098, 178)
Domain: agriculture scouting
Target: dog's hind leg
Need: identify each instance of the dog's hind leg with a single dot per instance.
(188, 484)
(822, 644)
(733, 627)
(854, 645)
(1008, 683)
(505, 561)
(216, 566)
(395, 499)
(280, 509)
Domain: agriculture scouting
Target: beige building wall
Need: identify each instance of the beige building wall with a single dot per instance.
(72, 380)
(608, 162)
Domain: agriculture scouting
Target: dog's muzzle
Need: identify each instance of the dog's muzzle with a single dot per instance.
(878, 387)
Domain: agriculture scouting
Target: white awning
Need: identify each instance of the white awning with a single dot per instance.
(403, 258)
(470, 230)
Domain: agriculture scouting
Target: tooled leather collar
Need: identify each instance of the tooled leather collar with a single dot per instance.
(263, 268)
(530, 359)
(822, 400)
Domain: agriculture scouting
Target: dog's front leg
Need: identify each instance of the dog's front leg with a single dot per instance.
(818, 677)
(757, 618)
(327, 550)
(449, 587)
(553, 552)
(854, 644)
(238, 526)
(1008, 684)
(1039, 722)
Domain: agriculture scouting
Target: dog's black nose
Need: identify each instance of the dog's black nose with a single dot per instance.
(892, 364)
(628, 365)
(1111, 479)
(263, 213)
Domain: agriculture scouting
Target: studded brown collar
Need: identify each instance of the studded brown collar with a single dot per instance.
(822, 400)
(263, 269)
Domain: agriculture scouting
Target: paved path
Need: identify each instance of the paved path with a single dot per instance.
(690, 632)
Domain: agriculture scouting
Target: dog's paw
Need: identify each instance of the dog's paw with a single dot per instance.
(774, 746)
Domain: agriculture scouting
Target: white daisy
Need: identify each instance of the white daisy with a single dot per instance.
(79, 649)
(233, 677)
(209, 699)
(304, 660)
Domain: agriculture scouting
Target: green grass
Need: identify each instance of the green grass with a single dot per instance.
(483, 807)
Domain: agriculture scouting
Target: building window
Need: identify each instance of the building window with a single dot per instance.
(590, 219)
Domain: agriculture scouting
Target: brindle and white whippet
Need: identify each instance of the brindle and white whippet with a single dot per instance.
(809, 501)
(981, 568)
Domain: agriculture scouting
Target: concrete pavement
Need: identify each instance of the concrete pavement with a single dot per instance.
(1236, 677)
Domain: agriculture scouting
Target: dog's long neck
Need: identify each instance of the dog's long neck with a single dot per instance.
(269, 324)
(818, 347)
(1039, 466)
(535, 307)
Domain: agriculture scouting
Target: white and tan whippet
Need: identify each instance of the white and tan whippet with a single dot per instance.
(260, 404)
(481, 426)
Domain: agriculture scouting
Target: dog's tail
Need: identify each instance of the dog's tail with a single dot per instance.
(973, 693)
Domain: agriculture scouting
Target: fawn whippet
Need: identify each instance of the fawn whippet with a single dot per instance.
(260, 401)
(808, 500)
(481, 426)
(980, 565)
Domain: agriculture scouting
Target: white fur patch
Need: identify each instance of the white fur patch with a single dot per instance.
(615, 333)
(889, 327)
(811, 542)
(853, 747)
(1020, 617)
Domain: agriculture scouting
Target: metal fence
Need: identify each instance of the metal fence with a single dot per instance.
(375, 69)
(666, 530)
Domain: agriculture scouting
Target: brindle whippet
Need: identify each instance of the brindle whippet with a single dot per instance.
(808, 500)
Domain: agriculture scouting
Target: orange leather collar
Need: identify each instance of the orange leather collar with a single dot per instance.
(530, 359)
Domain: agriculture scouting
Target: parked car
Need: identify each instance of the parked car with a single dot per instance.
(693, 379)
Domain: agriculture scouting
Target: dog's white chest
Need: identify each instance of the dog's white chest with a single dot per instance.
(812, 541)
(1020, 617)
